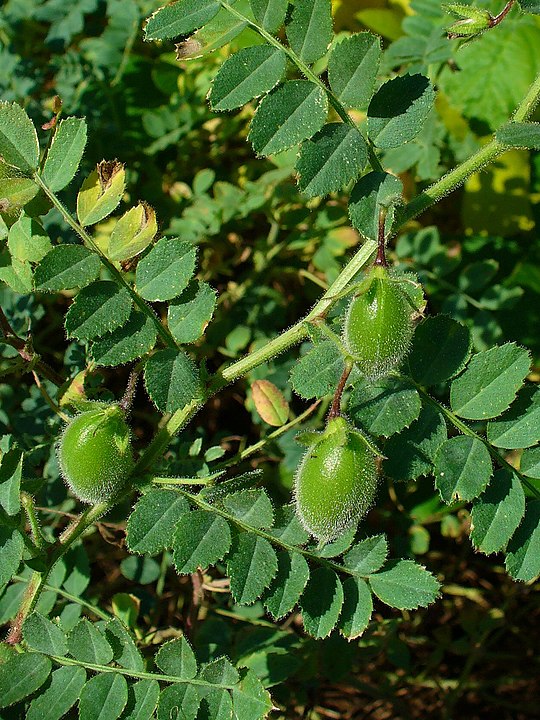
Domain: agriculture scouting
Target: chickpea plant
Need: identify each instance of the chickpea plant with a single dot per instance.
(375, 352)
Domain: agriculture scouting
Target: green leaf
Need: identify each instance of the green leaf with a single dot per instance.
(252, 565)
(288, 528)
(124, 649)
(216, 704)
(103, 697)
(180, 18)
(200, 539)
(190, 313)
(150, 527)
(66, 267)
(142, 570)
(250, 700)
(166, 270)
(412, 452)
(291, 113)
(172, 380)
(405, 585)
(497, 513)
(531, 6)
(440, 350)
(99, 308)
(17, 192)
(65, 153)
(462, 468)
(352, 68)
(270, 403)
(132, 233)
(11, 464)
(220, 672)
(334, 157)
(270, 13)
(218, 32)
(142, 700)
(288, 585)
(490, 382)
(252, 507)
(15, 273)
(520, 135)
(357, 608)
(180, 702)
(398, 110)
(338, 546)
(101, 192)
(44, 636)
(523, 556)
(317, 373)
(87, 644)
(27, 240)
(367, 556)
(309, 29)
(63, 692)
(384, 407)
(129, 342)
(374, 191)
(530, 463)
(18, 139)
(21, 675)
(11, 553)
(321, 602)
(248, 74)
(519, 427)
(177, 658)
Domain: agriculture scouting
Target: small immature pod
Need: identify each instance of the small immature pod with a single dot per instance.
(95, 453)
(378, 325)
(336, 481)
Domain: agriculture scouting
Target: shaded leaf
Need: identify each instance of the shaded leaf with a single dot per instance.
(21, 675)
(127, 343)
(352, 68)
(317, 373)
(321, 602)
(66, 267)
(357, 608)
(462, 468)
(172, 380)
(166, 270)
(251, 564)
(384, 407)
(288, 585)
(440, 349)
(523, 556)
(519, 427)
(309, 29)
(150, 527)
(405, 585)
(497, 512)
(200, 539)
(176, 658)
(367, 556)
(63, 692)
(103, 697)
(99, 308)
(44, 636)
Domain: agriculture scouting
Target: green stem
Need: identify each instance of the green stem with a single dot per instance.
(72, 598)
(336, 103)
(162, 331)
(456, 177)
(27, 501)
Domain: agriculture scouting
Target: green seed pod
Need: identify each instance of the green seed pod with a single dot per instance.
(336, 481)
(95, 453)
(378, 324)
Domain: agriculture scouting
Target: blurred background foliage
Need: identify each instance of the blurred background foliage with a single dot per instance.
(269, 253)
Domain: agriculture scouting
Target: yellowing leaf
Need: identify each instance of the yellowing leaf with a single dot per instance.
(270, 403)
(132, 233)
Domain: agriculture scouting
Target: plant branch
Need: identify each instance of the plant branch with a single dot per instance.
(310, 75)
(162, 331)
